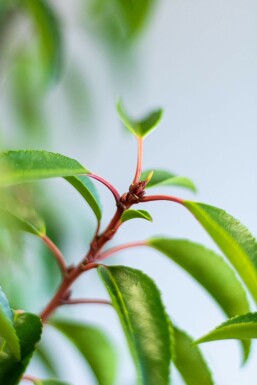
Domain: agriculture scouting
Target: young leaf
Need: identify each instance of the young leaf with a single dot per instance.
(50, 382)
(88, 191)
(28, 165)
(189, 360)
(94, 346)
(138, 304)
(140, 128)
(233, 239)
(48, 27)
(239, 327)
(211, 271)
(28, 328)
(131, 214)
(165, 178)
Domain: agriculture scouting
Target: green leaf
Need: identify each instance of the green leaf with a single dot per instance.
(211, 271)
(43, 356)
(28, 328)
(132, 214)
(239, 327)
(94, 346)
(50, 382)
(189, 360)
(165, 178)
(4, 304)
(26, 166)
(30, 223)
(88, 191)
(138, 304)
(48, 28)
(139, 128)
(233, 239)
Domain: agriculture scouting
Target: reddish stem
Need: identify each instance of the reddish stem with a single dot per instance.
(116, 249)
(29, 378)
(107, 184)
(139, 160)
(150, 198)
(86, 301)
(57, 253)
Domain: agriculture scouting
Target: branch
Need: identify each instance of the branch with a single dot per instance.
(139, 160)
(151, 198)
(57, 253)
(107, 184)
(116, 249)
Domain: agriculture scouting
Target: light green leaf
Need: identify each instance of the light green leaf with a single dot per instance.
(50, 382)
(165, 178)
(139, 128)
(211, 271)
(189, 360)
(233, 239)
(138, 303)
(88, 191)
(28, 165)
(4, 304)
(95, 347)
(132, 214)
(239, 327)
(48, 28)
(28, 328)
(30, 222)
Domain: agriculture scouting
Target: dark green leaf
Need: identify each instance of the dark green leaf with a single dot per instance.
(189, 360)
(138, 304)
(132, 214)
(25, 166)
(48, 28)
(239, 327)
(139, 128)
(94, 346)
(211, 271)
(233, 238)
(28, 328)
(165, 178)
(87, 189)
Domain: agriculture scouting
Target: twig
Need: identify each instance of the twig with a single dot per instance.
(116, 249)
(151, 198)
(57, 253)
(107, 184)
(139, 160)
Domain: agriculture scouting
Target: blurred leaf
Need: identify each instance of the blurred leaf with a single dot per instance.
(95, 347)
(189, 360)
(42, 354)
(87, 189)
(25, 166)
(4, 305)
(140, 128)
(211, 271)
(232, 237)
(28, 328)
(48, 28)
(33, 225)
(50, 382)
(165, 178)
(240, 327)
(132, 214)
(138, 303)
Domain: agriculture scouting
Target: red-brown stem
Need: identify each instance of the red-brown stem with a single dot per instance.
(139, 160)
(107, 184)
(29, 378)
(86, 301)
(57, 253)
(151, 198)
(116, 249)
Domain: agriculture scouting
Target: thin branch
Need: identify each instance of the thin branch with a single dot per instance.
(86, 301)
(139, 160)
(107, 184)
(29, 378)
(116, 249)
(57, 253)
(151, 198)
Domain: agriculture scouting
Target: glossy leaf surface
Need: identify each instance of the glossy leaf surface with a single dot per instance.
(28, 328)
(95, 347)
(165, 178)
(138, 303)
(25, 166)
(211, 271)
(240, 327)
(233, 238)
(132, 214)
(88, 191)
(139, 128)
